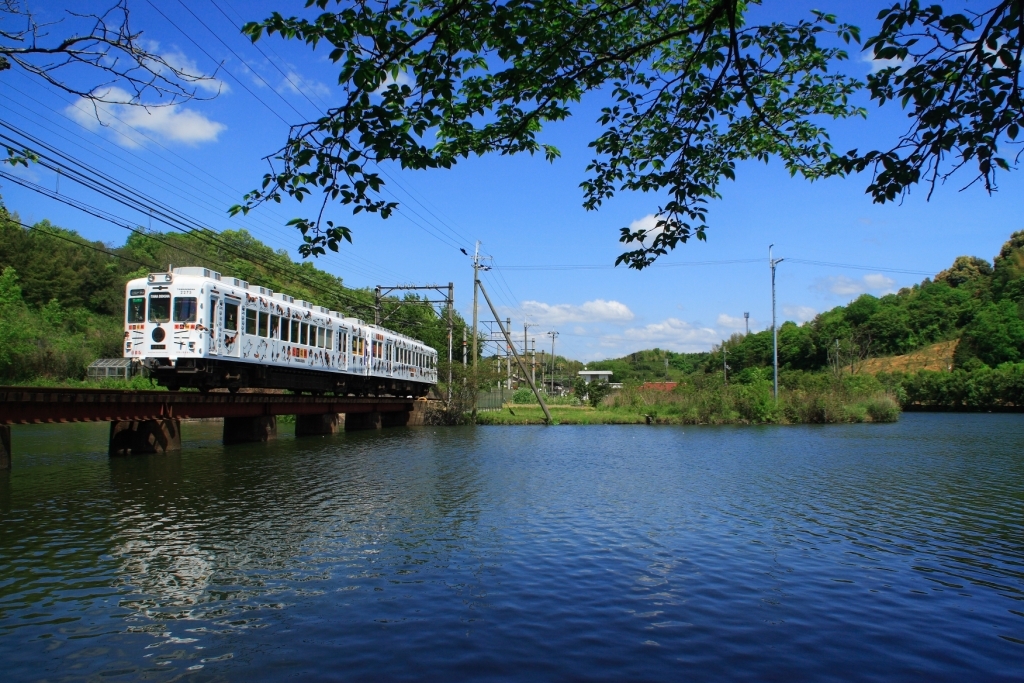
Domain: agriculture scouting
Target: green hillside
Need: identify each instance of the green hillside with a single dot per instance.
(974, 306)
(62, 297)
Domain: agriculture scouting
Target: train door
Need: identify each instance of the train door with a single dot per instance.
(389, 349)
(215, 326)
(229, 335)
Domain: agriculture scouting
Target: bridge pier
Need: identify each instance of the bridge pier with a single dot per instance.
(418, 414)
(5, 447)
(319, 425)
(136, 437)
(359, 421)
(249, 429)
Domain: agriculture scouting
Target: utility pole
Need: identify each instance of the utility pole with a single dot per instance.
(526, 346)
(476, 286)
(772, 262)
(376, 305)
(552, 334)
(508, 358)
(725, 365)
(451, 333)
(746, 321)
(533, 363)
(464, 346)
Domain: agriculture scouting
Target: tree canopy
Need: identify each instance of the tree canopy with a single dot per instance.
(695, 89)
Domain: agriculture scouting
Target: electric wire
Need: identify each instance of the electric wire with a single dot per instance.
(82, 243)
(265, 104)
(169, 217)
(227, 71)
(154, 207)
(440, 225)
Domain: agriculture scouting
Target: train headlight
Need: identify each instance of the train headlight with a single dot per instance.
(160, 277)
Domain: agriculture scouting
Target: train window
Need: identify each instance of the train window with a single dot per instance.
(321, 337)
(160, 307)
(185, 309)
(330, 340)
(285, 328)
(264, 322)
(250, 321)
(230, 316)
(304, 334)
(295, 332)
(137, 309)
(355, 345)
(275, 325)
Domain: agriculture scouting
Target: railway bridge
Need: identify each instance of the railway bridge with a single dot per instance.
(150, 421)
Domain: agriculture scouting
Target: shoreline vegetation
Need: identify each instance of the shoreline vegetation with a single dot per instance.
(706, 400)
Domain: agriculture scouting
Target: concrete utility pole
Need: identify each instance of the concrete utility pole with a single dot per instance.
(725, 365)
(476, 322)
(376, 305)
(746, 321)
(451, 333)
(464, 347)
(552, 334)
(508, 340)
(533, 362)
(526, 345)
(772, 262)
(508, 358)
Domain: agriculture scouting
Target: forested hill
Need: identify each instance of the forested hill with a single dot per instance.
(62, 297)
(977, 302)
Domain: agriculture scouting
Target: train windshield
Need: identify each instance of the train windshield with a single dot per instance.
(159, 307)
(186, 309)
(137, 309)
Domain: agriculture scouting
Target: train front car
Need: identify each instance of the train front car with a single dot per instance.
(166, 324)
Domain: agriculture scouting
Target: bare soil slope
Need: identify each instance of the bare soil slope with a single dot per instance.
(936, 357)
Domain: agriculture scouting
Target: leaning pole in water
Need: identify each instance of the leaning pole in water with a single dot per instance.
(522, 366)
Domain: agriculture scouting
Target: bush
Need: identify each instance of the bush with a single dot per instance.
(524, 396)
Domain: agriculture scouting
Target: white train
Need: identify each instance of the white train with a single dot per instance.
(190, 327)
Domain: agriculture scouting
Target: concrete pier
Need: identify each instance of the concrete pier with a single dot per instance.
(5, 447)
(136, 437)
(319, 425)
(249, 429)
(418, 415)
(358, 421)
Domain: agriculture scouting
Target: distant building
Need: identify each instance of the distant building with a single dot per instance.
(599, 376)
(596, 375)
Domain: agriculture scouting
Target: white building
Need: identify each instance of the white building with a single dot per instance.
(596, 375)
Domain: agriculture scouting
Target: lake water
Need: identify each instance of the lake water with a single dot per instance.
(859, 552)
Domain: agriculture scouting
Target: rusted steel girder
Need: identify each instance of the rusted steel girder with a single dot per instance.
(32, 405)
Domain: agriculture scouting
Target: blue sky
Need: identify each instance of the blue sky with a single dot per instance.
(201, 157)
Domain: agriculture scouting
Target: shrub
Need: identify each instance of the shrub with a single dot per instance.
(524, 395)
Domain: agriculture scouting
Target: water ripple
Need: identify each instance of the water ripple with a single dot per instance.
(858, 552)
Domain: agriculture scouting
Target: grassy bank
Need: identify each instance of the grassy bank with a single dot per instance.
(704, 400)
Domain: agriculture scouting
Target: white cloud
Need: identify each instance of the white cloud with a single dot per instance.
(597, 310)
(299, 85)
(729, 322)
(879, 64)
(175, 123)
(178, 60)
(402, 79)
(800, 313)
(674, 334)
(844, 286)
(649, 224)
